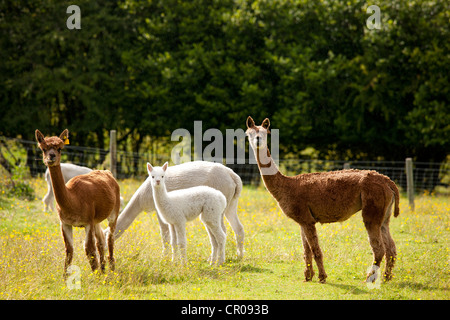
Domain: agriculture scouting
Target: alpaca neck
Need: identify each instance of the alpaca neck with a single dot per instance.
(136, 205)
(160, 195)
(59, 186)
(270, 174)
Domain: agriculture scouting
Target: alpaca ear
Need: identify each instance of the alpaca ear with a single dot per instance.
(64, 136)
(39, 136)
(250, 122)
(149, 168)
(266, 124)
(165, 166)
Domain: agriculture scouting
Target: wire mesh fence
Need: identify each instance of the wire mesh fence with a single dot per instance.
(427, 175)
(26, 155)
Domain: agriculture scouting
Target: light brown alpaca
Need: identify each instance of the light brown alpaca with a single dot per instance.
(330, 197)
(85, 201)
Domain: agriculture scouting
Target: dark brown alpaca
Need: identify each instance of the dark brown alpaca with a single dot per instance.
(330, 197)
(85, 201)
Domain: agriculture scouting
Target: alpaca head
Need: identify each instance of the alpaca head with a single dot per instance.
(257, 135)
(51, 147)
(157, 174)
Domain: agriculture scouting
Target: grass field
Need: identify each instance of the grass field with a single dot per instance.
(32, 256)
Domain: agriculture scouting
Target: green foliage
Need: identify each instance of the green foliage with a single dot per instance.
(53, 77)
(20, 190)
(16, 185)
(149, 67)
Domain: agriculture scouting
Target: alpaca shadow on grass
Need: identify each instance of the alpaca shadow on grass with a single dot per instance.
(216, 273)
(419, 286)
(348, 288)
(253, 269)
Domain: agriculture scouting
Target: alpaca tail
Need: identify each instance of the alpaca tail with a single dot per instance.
(232, 217)
(394, 188)
(237, 180)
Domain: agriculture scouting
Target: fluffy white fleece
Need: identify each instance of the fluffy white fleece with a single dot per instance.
(186, 175)
(180, 206)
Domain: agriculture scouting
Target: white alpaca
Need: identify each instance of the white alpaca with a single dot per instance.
(69, 171)
(180, 206)
(186, 175)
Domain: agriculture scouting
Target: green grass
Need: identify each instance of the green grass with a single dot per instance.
(32, 255)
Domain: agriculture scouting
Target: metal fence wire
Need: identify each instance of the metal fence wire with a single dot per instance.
(26, 154)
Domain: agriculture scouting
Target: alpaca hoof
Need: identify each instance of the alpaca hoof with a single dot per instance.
(240, 255)
(112, 264)
(322, 278)
(371, 277)
(94, 265)
(309, 274)
(373, 273)
(220, 262)
(165, 253)
(212, 263)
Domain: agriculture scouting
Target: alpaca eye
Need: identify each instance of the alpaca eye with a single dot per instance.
(153, 177)
(162, 177)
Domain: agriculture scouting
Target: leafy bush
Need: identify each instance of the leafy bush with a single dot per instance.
(16, 185)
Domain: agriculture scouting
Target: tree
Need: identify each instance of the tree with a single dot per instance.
(53, 77)
(150, 67)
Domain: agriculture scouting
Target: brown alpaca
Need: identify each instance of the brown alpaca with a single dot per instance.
(85, 201)
(330, 197)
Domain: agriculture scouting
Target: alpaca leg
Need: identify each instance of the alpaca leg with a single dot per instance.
(373, 214)
(100, 245)
(110, 241)
(112, 222)
(222, 224)
(48, 200)
(49, 196)
(307, 256)
(313, 241)
(89, 247)
(166, 235)
(173, 242)
(220, 238)
(213, 220)
(180, 230)
(376, 242)
(391, 252)
(66, 231)
(213, 257)
(389, 244)
(236, 225)
(224, 229)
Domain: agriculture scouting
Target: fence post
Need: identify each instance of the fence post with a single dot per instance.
(346, 166)
(113, 152)
(410, 182)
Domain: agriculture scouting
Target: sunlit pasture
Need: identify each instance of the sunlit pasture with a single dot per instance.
(32, 256)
